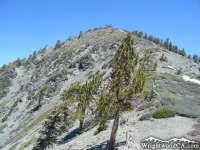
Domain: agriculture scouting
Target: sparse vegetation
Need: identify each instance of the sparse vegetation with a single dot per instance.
(179, 71)
(2, 127)
(82, 95)
(87, 45)
(163, 113)
(26, 144)
(165, 77)
(58, 44)
(155, 66)
(163, 58)
(124, 84)
(54, 125)
(4, 103)
(39, 119)
(103, 112)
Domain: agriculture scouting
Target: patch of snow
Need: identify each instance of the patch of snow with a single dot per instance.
(122, 31)
(186, 78)
(171, 67)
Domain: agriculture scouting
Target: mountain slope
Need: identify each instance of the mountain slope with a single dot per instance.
(78, 59)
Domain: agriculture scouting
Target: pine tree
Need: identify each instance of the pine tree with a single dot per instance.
(189, 56)
(54, 125)
(150, 38)
(135, 32)
(195, 58)
(157, 41)
(80, 96)
(80, 34)
(140, 34)
(145, 36)
(58, 44)
(103, 112)
(148, 58)
(170, 46)
(166, 43)
(41, 92)
(182, 52)
(161, 42)
(122, 86)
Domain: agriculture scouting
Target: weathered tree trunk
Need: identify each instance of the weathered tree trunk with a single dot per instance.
(82, 121)
(81, 125)
(114, 131)
(39, 105)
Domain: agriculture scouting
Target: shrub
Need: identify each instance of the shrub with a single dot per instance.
(87, 45)
(4, 119)
(163, 113)
(166, 77)
(173, 99)
(2, 127)
(163, 58)
(179, 71)
(26, 144)
(155, 65)
(146, 94)
(4, 103)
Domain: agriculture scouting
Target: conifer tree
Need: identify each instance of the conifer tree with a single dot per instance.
(182, 52)
(80, 96)
(140, 34)
(80, 34)
(150, 38)
(161, 42)
(166, 43)
(41, 93)
(103, 112)
(145, 36)
(54, 125)
(123, 86)
(148, 59)
(170, 46)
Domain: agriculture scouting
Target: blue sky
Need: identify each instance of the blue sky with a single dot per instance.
(28, 25)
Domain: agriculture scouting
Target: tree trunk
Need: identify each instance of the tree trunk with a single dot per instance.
(81, 125)
(82, 121)
(39, 105)
(114, 131)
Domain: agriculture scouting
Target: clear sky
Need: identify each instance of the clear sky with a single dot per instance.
(28, 25)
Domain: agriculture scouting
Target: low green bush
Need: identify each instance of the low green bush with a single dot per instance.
(163, 58)
(163, 113)
(2, 127)
(165, 77)
(179, 71)
(4, 103)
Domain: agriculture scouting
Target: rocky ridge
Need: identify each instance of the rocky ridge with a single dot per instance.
(78, 59)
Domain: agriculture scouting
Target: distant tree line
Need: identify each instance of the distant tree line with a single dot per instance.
(166, 44)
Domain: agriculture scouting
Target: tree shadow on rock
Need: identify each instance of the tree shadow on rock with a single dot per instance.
(102, 146)
(105, 145)
(71, 135)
